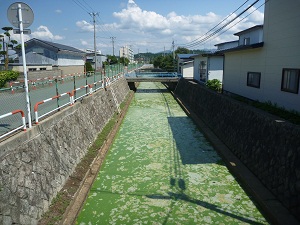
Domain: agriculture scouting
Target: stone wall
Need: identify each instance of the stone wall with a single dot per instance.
(267, 145)
(35, 164)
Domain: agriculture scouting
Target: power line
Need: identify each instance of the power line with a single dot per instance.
(88, 5)
(83, 7)
(219, 23)
(221, 28)
(242, 19)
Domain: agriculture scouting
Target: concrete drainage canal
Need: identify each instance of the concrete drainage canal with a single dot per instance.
(160, 169)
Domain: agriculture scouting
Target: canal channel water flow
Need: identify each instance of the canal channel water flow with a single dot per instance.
(162, 170)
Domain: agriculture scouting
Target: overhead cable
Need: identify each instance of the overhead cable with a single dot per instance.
(218, 23)
(219, 29)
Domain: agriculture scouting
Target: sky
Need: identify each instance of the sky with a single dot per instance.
(143, 25)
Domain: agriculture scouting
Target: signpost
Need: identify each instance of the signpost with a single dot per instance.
(20, 15)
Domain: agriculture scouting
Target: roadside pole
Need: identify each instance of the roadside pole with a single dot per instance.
(15, 16)
(24, 65)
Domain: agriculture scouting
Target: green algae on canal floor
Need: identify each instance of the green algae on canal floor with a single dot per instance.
(162, 170)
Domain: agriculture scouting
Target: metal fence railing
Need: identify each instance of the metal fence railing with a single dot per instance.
(49, 95)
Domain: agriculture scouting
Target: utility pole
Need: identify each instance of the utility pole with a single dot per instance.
(113, 44)
(173, 47)
(95, 47)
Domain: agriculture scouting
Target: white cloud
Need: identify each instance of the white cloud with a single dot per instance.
(85, 26)
(43, 32)
(140, 26)
(84, 43)
(133, 17)
(58, 11)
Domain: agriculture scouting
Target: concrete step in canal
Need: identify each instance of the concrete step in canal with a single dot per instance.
(161, 170)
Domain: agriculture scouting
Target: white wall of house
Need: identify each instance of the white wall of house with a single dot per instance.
(64, 61)
(227, 45)
(211, 67)
(200, 63)
(215, 68)
(255, 36)
(187, 70)
(281, 50)
(237, 65)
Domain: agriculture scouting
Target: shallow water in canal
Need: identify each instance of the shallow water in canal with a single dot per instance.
(161, 170)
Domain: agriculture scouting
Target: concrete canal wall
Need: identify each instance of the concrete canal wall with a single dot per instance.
(270, 148)
(34, 165)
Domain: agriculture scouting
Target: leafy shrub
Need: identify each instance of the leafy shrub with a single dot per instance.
(6, 76)
(88, 67)
(214, 84)
(272, 108)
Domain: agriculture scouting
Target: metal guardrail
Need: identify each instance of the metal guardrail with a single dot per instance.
(12, 96)
(71, 102)
(18, 128)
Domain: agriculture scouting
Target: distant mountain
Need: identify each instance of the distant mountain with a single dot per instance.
(164, 52)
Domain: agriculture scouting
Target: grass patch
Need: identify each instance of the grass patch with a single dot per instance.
(62, 200)
(291, 116)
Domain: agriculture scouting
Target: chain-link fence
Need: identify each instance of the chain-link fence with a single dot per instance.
(49, 95)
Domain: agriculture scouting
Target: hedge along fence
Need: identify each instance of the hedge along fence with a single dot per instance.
(6, 76)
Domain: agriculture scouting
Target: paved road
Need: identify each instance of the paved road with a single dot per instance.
(10, 101)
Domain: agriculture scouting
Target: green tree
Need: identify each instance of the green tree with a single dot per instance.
(88, 67)
(124, 61)
(157, 61)
(6, 76)
(7, 44)
(111, 59)
(165, 63)
(181, 50)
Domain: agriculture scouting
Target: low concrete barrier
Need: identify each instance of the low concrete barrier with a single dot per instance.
(34, 165)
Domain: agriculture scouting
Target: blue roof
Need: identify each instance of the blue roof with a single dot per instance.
(185, 56)
(57, 46)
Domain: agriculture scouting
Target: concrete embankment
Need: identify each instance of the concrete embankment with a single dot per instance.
(266, 145)
(34, 165)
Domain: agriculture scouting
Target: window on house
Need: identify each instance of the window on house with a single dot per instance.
(246, 41)
(32, 69)
(202, 70)
(43, 68)
(253, 79)
(290, 80)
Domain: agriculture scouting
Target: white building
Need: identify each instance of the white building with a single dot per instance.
(127, 52)
(185, 65)
(210, 65)
(266, 66)
(90, 57)
(187, 69)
